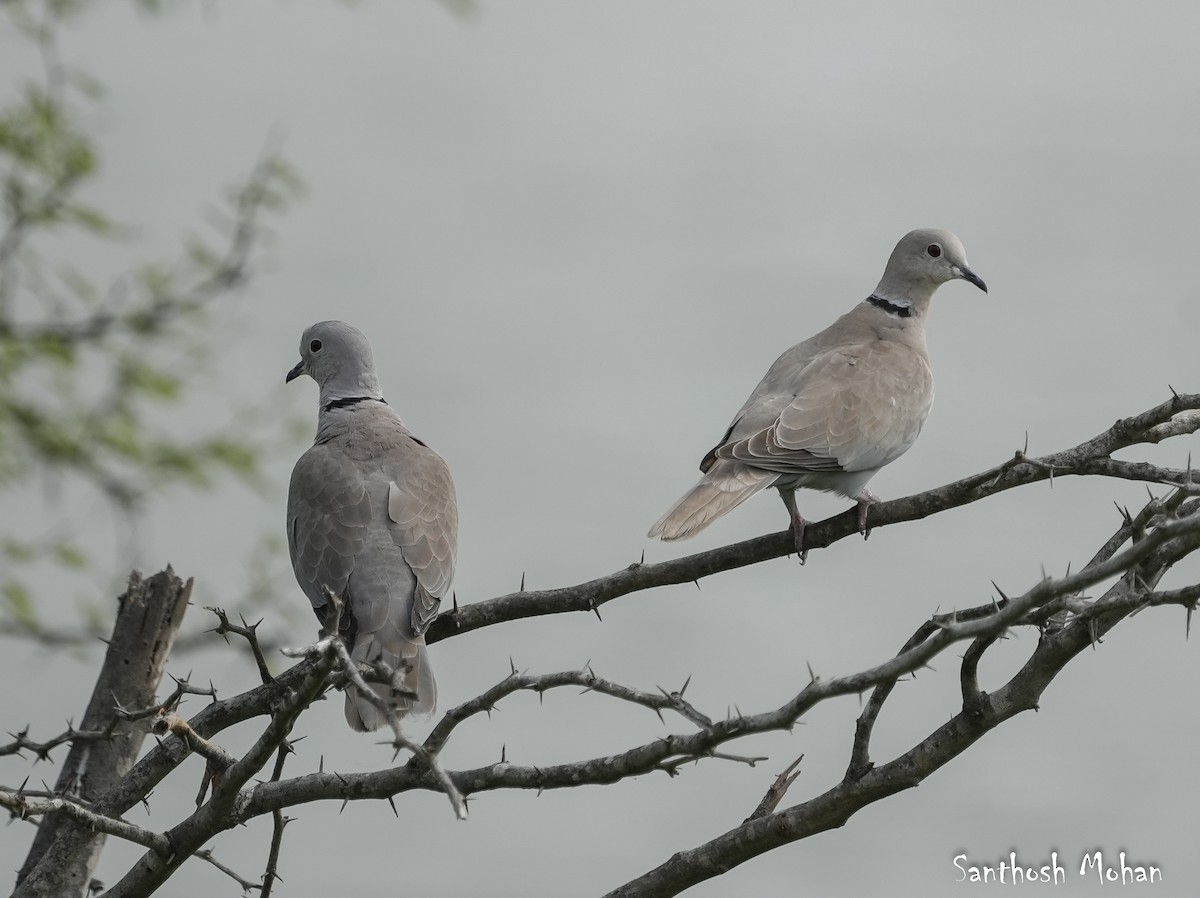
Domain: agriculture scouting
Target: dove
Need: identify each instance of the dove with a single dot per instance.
(836, 408)
(371, 518)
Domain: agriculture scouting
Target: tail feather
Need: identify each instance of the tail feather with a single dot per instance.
(723, 488)
(412, 690)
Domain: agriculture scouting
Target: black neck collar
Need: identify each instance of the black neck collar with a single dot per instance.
(349, 401)
(892, 308)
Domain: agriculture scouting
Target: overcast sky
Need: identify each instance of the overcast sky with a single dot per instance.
(577, 234)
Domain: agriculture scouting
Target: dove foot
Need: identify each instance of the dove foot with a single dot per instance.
(865, 500)
(789, 500)
(798, 534)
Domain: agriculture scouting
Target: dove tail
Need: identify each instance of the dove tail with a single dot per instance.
(412, 691)
(723, 488)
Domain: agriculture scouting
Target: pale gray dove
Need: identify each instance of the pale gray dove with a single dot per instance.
(836, 408)
(372, 518)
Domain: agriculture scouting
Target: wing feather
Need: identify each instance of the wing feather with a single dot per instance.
(856, 408)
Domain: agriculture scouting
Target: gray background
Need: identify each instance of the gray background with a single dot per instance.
(577, 234)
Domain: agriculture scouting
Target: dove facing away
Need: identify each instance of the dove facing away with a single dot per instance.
(371, 518)
(836, 408)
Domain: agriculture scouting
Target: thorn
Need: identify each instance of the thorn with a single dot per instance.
(1174, 395)
(697, 582)
(504, 753)
(522, 589)
(1026, 447)
(392, 802)
(643, 561)
(596, 611)
(812, 677)
(512, 666)
(683, 689)
(999, 590)
(454, 601)
(661, 719)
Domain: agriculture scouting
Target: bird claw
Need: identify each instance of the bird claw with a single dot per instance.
(798, 535)
(865, 501)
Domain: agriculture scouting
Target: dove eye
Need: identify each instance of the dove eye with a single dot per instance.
(934, 250)
(314, 346)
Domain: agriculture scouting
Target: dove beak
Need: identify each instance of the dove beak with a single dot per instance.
(295, 372)
(971, 277)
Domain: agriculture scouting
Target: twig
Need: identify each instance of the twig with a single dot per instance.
(247, 886)
(778, 789)
(279, 821)
(248, 632)
(25, 806)
(399, 741)
(542, 683)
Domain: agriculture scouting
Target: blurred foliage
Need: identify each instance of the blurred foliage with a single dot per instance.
(90, 369)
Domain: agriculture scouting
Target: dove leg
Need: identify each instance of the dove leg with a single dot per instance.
(865, 500)
(789, 500)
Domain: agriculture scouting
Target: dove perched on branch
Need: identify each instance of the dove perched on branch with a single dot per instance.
(371, 518)
(836, 408)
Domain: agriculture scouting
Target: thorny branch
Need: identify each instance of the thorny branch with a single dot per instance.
(21, 805)
(1176, 416)
(1174, 536)
(1141, 550)
(279, 821)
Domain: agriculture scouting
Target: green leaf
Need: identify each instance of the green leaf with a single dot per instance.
(69, 555)
(18, 602)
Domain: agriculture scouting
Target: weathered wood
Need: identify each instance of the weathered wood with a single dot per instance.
(64, 855)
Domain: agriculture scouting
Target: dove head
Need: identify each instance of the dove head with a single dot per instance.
(339, 358)
(922, 261)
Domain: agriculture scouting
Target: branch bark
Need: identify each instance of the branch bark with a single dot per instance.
(1142, 549)
(64, 854)
(1144, 564)
(1175, 417)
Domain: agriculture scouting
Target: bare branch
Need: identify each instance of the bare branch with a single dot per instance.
(64, 853)
(1171, 539)
(1090, 458)
(279, 821)
(248, 632)
(778, 789)
(247, 885)
(27, 806)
